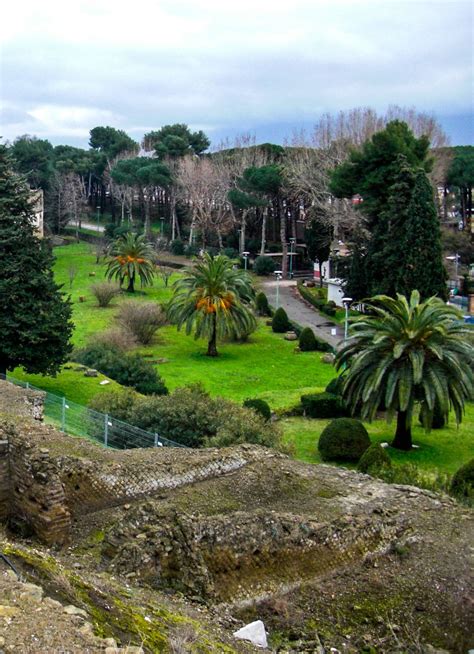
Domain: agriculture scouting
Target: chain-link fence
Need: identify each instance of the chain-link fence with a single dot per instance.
(79, 420)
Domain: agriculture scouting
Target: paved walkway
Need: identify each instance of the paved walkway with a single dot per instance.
(298, 311)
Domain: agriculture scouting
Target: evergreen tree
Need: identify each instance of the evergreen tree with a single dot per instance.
(35, 322)
(421, 264)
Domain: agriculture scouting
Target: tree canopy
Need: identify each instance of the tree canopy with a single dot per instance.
(405, 352)
(176, 141)
(35, 324)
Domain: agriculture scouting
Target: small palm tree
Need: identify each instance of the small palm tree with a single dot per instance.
(404, 353)
(131, 257)
(214, 299)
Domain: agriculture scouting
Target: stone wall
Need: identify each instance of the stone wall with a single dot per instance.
(47, 477)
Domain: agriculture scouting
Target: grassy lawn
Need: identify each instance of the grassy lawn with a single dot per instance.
(443, 449)
(266, 367)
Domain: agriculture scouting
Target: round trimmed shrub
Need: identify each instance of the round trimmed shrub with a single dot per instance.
(323, 405)
(438, 420)
(307, 340)
(374, 458)
(260, 406)
(262, 306)
(280, 322)
(177, 247)
(462, 483)
(335, 386)
(344, 439)
(264, 265)
(328, 309)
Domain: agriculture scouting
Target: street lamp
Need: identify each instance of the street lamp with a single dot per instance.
(278, 275)
(346, 301)
(455, 258)
(292, 242)
(98, 217)
(246, 257)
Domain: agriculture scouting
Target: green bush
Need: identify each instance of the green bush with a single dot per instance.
(335, 386)
(260, 406)
(262, 306)
(323, 405)
(191, 417)
(462, 483)
(177, 247)
(374, 458)
(307, 340)
(280, 322)
(126, 369)
(191, 251)
(344, 439)
(438, 419)
(328, 309)
(232, 253)
(264, 265)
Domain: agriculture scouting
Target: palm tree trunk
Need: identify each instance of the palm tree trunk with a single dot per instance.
(131, 284)
(402, 440)
(212, 345)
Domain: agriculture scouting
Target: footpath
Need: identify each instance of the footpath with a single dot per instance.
(298, 311)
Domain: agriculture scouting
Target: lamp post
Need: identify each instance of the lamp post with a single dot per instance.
(292, 242)
(98, 217)
(278, 275)
(246, 258)
(455, 259)
(346, 301)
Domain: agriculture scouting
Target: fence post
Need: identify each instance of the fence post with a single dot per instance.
(106, 429)
(156, 439)
(63, 415)
(27, 385)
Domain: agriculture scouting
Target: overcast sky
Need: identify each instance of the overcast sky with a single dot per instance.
(229, 66)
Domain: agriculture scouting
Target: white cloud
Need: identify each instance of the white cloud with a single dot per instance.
(68, 66)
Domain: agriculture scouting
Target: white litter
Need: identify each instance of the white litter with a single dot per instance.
(104, 382)
(254, 632)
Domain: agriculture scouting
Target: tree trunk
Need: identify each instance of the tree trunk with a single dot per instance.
(212, 345)
(242, 231)
(3, 369)
(131, 284)
(146, 226)
(264, 231)
(219, 238)
(402, 440)
(320, 264)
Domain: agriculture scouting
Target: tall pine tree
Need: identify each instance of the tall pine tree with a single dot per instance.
(35, 324)
(422, 264)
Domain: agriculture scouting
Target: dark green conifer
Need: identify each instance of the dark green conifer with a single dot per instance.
(35, 325)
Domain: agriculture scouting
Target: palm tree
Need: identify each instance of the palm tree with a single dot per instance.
(404, 353)
(214, 299)
(131, 256)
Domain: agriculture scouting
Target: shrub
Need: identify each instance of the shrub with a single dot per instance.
(127, 369)
(177, 247)
(262, 306)
(307, 341)
(462, 484)
(232, 253)
(264, 265)
(141, 319)
(104, 292)
(374, 458)
(335, 386)
(438, 419)
(280, 322)
(118, 404)
(344, 439)
(191, 417)
(260, 406)
(120, 339)
(191, 251)
(323, 405)
(328, 309)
